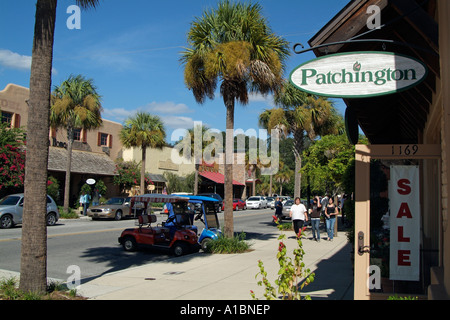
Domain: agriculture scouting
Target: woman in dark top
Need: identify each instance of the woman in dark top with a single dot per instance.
(330, 218)
(315, 218)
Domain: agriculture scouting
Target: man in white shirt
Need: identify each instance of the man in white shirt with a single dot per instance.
(298, 215)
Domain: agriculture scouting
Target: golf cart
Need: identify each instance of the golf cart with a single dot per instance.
(175, 233)
(205, 209)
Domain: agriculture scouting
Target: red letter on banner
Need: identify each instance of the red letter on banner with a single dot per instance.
(404, 211)
(403, 258)
(401, 238)
(404, 185)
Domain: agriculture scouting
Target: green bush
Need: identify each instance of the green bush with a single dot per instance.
(71, 214)
(224, 245)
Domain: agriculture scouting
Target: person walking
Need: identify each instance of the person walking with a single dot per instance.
(316, 211)
(330, 218)
(82, 202)
(278, 210)
(298, 216)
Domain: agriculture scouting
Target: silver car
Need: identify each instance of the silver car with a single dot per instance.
(287, 208)
(115, 208)
(11, 211)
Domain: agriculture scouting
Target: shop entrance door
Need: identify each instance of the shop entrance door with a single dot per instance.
(364, 155)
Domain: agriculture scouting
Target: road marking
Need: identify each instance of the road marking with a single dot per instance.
(68, 234)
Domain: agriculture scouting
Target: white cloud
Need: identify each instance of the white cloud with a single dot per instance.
(117, 114)
(168, 108)
(178, 122)
(14, 60)
(257, 97)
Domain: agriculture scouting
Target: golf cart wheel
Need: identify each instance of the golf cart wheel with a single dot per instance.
(129, 244)
(179, 249)
(205, 243)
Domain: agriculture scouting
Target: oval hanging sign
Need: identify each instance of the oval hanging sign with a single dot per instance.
(359, 74)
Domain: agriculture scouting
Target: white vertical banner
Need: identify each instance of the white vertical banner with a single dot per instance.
(404, 199)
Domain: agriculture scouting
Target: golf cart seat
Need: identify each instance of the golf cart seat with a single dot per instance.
(148, 220)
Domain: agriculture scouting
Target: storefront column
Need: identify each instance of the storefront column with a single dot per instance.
(362, 222)
(444, 52)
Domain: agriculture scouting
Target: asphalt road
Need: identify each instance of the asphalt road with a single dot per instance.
(93, 245)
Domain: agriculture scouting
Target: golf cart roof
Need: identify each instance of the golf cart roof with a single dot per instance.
(199, 198)
(158, 198)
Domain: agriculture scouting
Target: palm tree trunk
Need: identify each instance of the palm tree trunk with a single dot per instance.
(254, 181)
(33, 268)
(68, 169)
(270, 189)
(144, 159)
(229, 159)
(197, 166)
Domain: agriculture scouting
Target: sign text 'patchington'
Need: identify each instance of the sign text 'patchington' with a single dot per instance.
(359, 74)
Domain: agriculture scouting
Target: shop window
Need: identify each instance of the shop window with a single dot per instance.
(104, 140)
(77, 134)
(6, 117)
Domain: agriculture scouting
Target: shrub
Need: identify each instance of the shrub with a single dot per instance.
(224, 245)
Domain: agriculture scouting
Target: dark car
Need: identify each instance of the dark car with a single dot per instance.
(215, 196)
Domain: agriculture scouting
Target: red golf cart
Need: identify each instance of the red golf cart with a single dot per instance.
(177, 233)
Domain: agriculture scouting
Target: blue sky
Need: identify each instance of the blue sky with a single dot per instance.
(131, 49)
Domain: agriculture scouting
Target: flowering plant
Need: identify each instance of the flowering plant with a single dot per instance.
(291, 272)
(12, 166)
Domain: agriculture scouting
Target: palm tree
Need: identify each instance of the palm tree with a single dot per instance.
(283, 176)
(75, 105)
(235, 45)
(305, 117)
(198, 158)
(143, 131)
(33, 269)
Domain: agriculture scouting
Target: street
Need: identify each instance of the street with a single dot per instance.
(93, 245)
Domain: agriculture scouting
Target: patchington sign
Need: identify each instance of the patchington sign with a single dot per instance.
(359, 74)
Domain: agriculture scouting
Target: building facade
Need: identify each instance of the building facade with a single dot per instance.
(410, 128)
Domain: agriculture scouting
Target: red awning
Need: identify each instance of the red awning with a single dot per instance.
(217, 177)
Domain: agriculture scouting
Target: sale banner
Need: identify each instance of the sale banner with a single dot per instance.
(404, 202)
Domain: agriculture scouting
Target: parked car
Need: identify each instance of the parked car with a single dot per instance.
(238, 204)
(215, 196)
(271, 202)
(11, 211)
(256, 202)
(287, 208)
(115, 208)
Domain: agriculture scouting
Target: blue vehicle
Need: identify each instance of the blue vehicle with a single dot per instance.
(205, 208)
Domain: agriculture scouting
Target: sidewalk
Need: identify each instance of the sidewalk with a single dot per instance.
(203, 276)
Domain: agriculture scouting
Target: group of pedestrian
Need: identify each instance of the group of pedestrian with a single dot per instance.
(299, 215)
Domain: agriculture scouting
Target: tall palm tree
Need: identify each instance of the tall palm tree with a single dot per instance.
(33, 269)
(75, 105)
(283, 176)
(232, 44)
(143, 131)
(198, 158)
(305, 117)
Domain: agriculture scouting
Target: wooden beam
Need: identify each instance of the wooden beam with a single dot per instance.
(419, 19)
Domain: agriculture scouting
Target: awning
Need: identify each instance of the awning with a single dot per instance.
(217, 178)
(82, 162)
